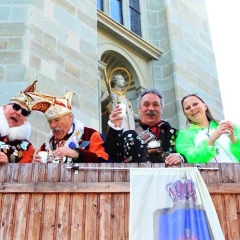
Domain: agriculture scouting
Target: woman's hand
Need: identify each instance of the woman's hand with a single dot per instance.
(228, 129)
(224, 127)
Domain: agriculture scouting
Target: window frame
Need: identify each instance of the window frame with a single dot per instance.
(126, 16)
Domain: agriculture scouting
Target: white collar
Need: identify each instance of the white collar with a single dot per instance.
(22, 132)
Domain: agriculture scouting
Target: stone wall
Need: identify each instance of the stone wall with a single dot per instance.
(181, 30)
(57, 40)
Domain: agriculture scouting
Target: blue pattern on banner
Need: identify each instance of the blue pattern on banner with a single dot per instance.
(185, 220)
(184, 223)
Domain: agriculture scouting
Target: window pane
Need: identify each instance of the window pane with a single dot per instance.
(100, 4)
(134, 4)
(135, 20)
(116, 10)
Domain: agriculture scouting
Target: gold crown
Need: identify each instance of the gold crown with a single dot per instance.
(24, 98)
(52, 107)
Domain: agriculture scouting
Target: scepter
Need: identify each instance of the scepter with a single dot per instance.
(107, 83)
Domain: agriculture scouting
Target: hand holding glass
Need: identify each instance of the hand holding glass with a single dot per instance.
(44, 156)
(124, 110)
(227, 132)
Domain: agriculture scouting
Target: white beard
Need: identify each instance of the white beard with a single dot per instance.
(79, 127)
(22, 132)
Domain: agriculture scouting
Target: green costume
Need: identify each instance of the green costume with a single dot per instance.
(192, 143)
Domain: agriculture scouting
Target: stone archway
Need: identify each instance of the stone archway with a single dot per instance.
(112, 60)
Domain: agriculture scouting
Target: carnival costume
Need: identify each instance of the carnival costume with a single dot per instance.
(145, 144)
(192, 143)
(86, 141)
(14, 141)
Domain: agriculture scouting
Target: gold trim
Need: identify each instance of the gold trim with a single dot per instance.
(129, 78)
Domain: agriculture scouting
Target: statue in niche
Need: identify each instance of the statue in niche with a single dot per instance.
(116, 95)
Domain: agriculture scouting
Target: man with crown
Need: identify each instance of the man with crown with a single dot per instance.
(15, 130)
(68, 139)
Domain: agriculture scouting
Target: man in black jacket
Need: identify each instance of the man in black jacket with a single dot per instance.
(154, 139)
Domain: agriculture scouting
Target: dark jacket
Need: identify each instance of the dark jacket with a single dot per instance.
(129, 147)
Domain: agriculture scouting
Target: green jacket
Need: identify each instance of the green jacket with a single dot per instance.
(203, 153)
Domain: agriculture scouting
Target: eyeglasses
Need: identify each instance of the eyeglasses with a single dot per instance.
(17, 107)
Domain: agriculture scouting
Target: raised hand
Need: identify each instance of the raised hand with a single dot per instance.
(115, 117)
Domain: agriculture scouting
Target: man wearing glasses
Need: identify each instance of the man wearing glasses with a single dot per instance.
(15, 130)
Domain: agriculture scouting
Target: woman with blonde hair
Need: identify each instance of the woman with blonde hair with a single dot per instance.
(206, 139)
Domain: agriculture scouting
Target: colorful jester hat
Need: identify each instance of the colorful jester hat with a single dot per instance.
(52, 106)
(24, 98)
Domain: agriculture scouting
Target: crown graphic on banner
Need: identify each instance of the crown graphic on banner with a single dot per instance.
(52, 106)
(24, 98)
(182, 191)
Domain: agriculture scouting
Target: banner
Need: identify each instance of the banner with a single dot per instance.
(171, 204)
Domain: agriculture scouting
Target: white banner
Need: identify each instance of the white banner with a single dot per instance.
(171, 204)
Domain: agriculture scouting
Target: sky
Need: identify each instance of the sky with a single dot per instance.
(224, 20)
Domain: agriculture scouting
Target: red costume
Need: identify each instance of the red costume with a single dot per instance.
(88, 143)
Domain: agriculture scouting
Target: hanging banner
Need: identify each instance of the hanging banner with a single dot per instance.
(171, 204)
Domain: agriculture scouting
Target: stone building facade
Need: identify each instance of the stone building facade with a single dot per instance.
(71, 44)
